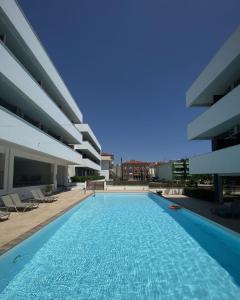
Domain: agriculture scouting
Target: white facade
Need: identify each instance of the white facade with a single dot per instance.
(173, 170)
(90, 149)
(41, 130)
(217, 88)
(165, 171)
(106, 165)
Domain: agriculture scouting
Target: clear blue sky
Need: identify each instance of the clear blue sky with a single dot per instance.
(128, 64)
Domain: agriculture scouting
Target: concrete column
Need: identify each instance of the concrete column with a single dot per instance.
(10, 171)
(65, 176)
(6, 152)
(218, 185)
(55, 176)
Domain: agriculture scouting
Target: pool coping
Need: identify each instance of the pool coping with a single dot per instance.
(236, 233)
(9, 245)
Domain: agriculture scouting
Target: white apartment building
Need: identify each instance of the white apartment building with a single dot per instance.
(41, 125)
(172, 170)
(90, 149)
(217, 88)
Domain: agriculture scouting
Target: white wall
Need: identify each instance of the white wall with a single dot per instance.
(90, 164)
(14, 13)
(105, 164)
(21, 80)
(224, 161)
(219, 118)
(15, 130)
(87, 146)
(105, 173)
(87, 128)
(212, 76)
(165, 171)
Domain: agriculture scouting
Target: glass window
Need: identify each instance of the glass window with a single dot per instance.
(2, 165)
(31, 172)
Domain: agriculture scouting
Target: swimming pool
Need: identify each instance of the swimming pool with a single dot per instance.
(124, 246)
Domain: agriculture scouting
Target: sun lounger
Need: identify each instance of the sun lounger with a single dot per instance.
(9, 204)
(4, 215)
(40, 199)
(40, 193)
(17, 201)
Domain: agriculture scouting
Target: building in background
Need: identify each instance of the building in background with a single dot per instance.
(173, 170)
(217, 88)
(135, 170)
(41, 126)
(107, 165)
(90, 149)
(117, 172)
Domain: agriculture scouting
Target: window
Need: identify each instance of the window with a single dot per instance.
(31, 172)
(2, 165)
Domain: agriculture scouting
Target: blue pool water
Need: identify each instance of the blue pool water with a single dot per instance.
(124, 246)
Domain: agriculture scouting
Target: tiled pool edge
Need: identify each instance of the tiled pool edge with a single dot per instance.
(6, 247)
(213, 222)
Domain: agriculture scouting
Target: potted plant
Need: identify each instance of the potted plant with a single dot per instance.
(48, 189)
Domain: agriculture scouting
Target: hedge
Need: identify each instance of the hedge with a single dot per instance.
(86, 178)
(201, 193)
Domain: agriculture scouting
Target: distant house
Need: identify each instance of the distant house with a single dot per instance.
(173, 170)
(117, 171)
(138, 170)
(106, 165)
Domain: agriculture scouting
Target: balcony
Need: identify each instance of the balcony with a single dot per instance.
(28, 48)
(225, 162)
(87, 147)
(219, 118)
(87, 163)
(178, 171)
(20, 89)
(218, 75)
(89, 136)
(15, 130)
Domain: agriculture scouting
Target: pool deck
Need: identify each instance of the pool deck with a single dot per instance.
(23, 224)
(203, 208)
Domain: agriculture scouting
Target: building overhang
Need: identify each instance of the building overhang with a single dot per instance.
(224, 162)
(221, 71)
(218, 119)
(30, 48)
(87, 163)
(21, 90)
(88, 134)
(86, 147)
(16, 131)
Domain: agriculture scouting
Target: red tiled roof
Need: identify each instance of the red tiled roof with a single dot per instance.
(138, 162)
(106, 154)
